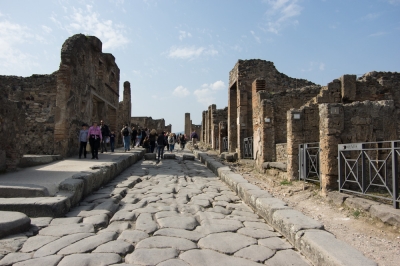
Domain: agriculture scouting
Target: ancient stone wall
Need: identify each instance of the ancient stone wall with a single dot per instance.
(210, 124)
(188, 124)
(150, 123)
(281, 152)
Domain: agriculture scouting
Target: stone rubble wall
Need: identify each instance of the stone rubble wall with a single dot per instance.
(211, 119)
(281, 152)
(150, 123)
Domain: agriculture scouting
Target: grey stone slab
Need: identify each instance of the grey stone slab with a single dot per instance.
(41, 221)
(108, 205)
(322, 248)
(179, 222)
(76, 210)
(131, 207)
(274, 243)
(163, 190)
(198, 257)
(151, 256)
(52, 260)
(133, 236)
(287, 257)
(220, 203)
(36, 242)
(267, 206)
(12, 243)
(117, 227)
(289, 222)
(337, 198)
(94, 212)
(55, 246)
(145, 223)
(219, 209)
(88, 244)
(123, 216)
(98, 221)
(204, 216)
(257, 233)
(359, 203)
(169, 156)
(163, 214)
(66, 220)
(13, 223)
(188, 157)
(66, 229)
(201, 202)
(227, 242)
(190, 235)
(386, 214)
(118, 246)
(173, 262)
(242, 218)
(166, 242)
(12, 258)
(220, 225)
(255, 253)
(258, 225)
(94, 259)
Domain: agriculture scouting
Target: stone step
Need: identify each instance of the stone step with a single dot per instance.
(13, 223)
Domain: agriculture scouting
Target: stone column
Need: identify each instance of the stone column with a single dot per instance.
(242, 121)
(187, 125)
(223, 132)
(295, 137)
(232, 119)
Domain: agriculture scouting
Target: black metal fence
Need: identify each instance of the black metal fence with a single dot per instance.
(309, 162)
(225, 144)
(248, 148)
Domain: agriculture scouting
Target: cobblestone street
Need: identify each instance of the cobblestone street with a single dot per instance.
(173, 212)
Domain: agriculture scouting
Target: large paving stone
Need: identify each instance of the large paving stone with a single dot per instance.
(52, 260)
(274, 243)
(288, 257)
(267, 206)
(36, 242)
(68, 229)
(13, 223)
(227, 243)
(117, 227)
(255, 253)
(90, 259)
(173, 262)
(151, 256)
(118, 246)
(169, 156)
(359, 203)
(133, 236)
(12, 243)
(88, 244)
(164, 214)
(56, 245)
(258, 225)
(12, 258)
(66, 220)
(41, 221)
(190, 235)
(98, 221)
(166, 242)
(145, 223)
(220, 225)
(188, 223)
(386, 214)
(198, 257)
(123, 216)
(257, 233)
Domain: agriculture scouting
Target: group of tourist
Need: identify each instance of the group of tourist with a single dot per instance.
(99, 136)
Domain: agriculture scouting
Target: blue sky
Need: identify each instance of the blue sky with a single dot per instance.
(177, 54)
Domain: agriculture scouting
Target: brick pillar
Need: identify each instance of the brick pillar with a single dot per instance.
(242, 121)
(232, 119)
(203, 126)
(187, 124)
(295, 137)
(223, 132)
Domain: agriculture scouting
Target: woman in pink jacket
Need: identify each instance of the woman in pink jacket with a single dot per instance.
(94, 137)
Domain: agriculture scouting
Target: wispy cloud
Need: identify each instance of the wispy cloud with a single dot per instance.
(206, 94)
(11, 58)
(89, 22)
(181, 92)
(394, 2)
(377, 34)
(46, 29)
(255, 36)
(282, 13)
(184, 34)
(191, 52)
(312, 66)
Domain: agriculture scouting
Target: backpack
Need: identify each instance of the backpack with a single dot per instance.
(125, 132)
(171, 140)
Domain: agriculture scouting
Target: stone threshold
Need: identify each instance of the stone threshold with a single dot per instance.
(307, 235)
(72, 190)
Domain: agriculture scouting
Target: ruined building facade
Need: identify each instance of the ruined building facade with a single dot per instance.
(190, 127)
(45, 112)
(213, 126)
(150, 123)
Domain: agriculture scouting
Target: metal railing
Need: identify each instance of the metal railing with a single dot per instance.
(309, 162)
(248, 148)
(225, 144)
(370, 168)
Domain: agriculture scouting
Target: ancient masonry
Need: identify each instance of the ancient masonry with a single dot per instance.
(43, 114)
(150, 123)
(190, 127)
(278, 113)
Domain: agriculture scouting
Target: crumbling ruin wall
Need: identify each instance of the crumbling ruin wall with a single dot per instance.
(210, 125)
(240, 104)
(150, 123)
(87, 90)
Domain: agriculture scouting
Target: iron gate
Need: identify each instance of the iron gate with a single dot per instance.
(248, 148)
(370, 168)
(225, 144)
(309, 162)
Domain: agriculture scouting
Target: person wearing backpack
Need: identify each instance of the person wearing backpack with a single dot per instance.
(138, 137)
(152, 139)
(105, 134)
(160, 145)
(126, 136)
(171, 141)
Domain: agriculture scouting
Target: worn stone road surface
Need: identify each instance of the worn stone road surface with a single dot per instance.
(170, 213)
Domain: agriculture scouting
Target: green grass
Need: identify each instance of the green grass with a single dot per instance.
(286, 183)
(356, 214)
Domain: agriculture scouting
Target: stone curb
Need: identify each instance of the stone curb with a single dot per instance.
(307, 235)
(71, 190)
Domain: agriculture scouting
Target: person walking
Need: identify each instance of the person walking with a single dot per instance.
(112, 141)
(194, 137)
(161, 145)
(126, 136)
(166, 140)
(171, 142)
(94, 137)
(182, 140)
(83, 137)
(138, 137)
(105, 134)
(146, 144)
(133, 136)
(152, 139)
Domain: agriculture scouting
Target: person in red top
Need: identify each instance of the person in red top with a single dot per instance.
(94, 137)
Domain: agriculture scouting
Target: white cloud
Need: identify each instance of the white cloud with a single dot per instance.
(377, 34)
(184, 34)
(89, 22)
(314, 66)
(181, 92)
(255, 36)
(206, 95)
(190, 52)
(281, 14)
(322, 66)
(11, 58)
(46, 29)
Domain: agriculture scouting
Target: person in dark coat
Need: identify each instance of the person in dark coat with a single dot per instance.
(161, 145)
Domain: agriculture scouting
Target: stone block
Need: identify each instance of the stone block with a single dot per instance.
(289, 222)
(249, 193)
(360, 203)
(25, 191)
(75, 187)
(188, 157)
(232, 180)
(267, 206)
(348, 87)
(337, 198)
(169, 156)
(277, 165)
(386, 214)
(322, 248)
(13, 223)
(33, 160)
(149, 156)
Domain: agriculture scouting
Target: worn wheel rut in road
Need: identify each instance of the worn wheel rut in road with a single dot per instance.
(171, 213)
